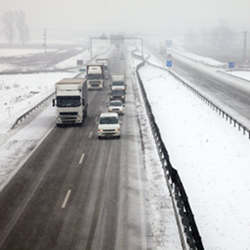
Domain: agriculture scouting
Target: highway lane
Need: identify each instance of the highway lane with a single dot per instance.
(78, 192)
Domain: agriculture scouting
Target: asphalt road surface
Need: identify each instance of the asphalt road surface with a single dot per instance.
(78, 192)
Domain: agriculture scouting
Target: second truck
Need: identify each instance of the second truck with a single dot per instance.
(95, 76)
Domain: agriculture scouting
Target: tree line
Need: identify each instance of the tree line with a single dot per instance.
(14, 24)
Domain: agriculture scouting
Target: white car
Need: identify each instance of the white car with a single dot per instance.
(109, 125)
(116, 106)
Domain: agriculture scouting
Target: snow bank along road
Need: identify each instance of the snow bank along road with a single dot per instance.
(76, 192)
(211, 157)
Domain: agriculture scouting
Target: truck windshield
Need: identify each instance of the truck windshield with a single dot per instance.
(94, 76)
(118, 83)
(108, 120)
(118, 92)
(115, 104)
(68, 101)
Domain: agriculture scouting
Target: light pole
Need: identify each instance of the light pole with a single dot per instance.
(142, 52)
(90, 47)
(245, 47)
(45, 40)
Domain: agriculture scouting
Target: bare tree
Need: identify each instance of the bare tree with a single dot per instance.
(22, 27)
(222, 37)
(8, 21)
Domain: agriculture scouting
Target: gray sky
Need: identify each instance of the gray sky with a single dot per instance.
(130, 15)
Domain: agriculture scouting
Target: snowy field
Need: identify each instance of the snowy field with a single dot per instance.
(212, 159)
(7, 52)
(21, 92)
(71, 62)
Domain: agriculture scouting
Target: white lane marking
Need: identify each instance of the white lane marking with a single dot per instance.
(90, 134)
(81, 159)
(66, 198)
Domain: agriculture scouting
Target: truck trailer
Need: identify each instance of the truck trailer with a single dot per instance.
(71, 101)
(118, 80)
(95, 76)
(105, 63)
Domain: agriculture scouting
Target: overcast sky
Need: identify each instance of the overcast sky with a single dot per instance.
(130, 15)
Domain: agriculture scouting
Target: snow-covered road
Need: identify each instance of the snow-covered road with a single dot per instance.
(211, 157)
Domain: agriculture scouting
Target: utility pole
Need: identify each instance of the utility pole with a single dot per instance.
(245, 47)
(91, 52)
(45, 40)
(142, 52)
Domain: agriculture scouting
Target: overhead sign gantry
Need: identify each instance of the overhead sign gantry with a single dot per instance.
(115, 39)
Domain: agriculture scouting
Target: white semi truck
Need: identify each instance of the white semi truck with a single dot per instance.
(105, 63)
(95, 76)
(71, 101)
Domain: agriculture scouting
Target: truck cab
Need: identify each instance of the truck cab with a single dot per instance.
(117, 93)
(71, 101)
(95, 77)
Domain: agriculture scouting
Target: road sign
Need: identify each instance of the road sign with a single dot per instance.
(231, 65)
(169, 63)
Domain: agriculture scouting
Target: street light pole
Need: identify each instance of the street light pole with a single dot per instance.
(142, 52)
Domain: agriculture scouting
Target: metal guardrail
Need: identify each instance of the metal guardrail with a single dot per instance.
(24, 115)
(173, 180)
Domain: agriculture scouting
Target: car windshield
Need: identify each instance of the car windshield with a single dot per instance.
(109, 120)
(68, 101)
(116, 104)
(118, 92)
(118, 83)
